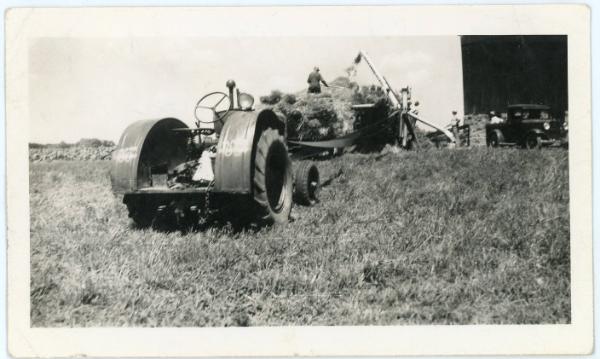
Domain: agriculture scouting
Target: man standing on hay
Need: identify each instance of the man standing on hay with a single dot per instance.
(314, 81)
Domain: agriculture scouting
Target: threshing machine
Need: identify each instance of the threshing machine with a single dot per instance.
(406, 116)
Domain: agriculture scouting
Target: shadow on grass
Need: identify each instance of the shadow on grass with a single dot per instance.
(223, 219)
(235, 217)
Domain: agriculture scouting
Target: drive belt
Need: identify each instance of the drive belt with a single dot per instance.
(343, 141)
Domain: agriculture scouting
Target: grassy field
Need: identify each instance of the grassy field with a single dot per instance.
(439, 236)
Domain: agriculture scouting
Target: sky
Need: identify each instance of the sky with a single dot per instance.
(95, 87)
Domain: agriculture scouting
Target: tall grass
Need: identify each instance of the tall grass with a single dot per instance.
(440, 236)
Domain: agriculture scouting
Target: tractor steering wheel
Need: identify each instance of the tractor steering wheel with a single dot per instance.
(217, 115)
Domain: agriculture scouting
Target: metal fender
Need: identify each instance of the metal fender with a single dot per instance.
(498, 132)
(146, 147)
(234, 167)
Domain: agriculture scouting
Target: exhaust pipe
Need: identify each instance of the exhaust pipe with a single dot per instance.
(231, 85)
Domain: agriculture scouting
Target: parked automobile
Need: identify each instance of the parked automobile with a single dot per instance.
(529, 126)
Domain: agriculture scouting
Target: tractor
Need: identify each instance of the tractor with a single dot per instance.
(235, 158)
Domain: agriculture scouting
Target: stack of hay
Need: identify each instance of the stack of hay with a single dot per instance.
(477, 123)
(314, 117)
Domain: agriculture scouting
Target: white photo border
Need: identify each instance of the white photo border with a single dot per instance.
(23, 25)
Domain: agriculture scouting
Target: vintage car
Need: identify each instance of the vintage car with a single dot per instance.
(529, 126)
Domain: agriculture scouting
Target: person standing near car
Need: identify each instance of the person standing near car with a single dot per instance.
(454, 125)
(494, 118)
(314, 81)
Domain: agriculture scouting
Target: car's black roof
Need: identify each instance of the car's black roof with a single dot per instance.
(530, 106)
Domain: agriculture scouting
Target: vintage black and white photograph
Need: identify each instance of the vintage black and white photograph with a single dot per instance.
(299, 181)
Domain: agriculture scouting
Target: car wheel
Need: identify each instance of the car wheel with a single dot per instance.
(273, 182)
(494, 141)
(533, 142)
(307, 184)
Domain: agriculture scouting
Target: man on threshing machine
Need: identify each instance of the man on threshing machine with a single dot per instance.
(314, 81)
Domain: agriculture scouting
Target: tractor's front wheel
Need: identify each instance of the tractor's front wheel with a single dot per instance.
(273, 182)
(307, 184)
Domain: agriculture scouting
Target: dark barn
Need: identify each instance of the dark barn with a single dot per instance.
(503, 70)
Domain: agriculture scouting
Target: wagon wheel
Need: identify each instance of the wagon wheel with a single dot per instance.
(533, 141)
(273, 182)
(307, 184)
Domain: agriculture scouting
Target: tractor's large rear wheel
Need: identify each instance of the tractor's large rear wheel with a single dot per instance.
(273, 182)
